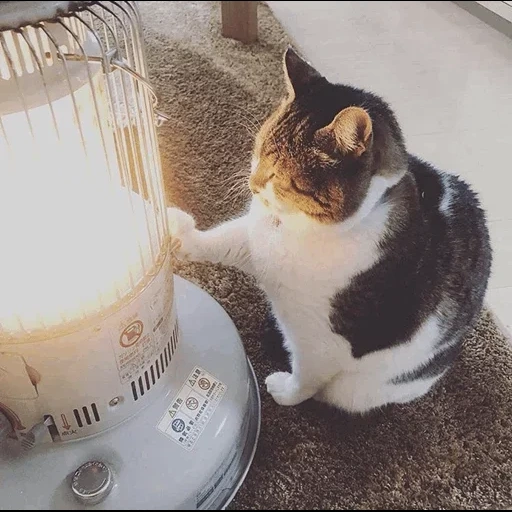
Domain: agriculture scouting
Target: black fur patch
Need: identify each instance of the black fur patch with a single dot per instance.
(428, 259)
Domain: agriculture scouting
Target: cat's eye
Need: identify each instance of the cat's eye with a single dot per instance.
(298, 188)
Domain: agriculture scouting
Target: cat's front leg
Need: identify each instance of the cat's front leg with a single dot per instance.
(312, 370)
(290, 389)
(226, 243)
(286, 389)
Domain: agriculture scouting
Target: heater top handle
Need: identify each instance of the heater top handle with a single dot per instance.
(17, 14)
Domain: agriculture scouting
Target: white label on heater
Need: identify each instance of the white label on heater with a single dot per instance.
(192, 409)
(140, 335)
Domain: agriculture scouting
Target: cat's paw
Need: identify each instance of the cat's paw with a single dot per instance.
(185, 243)
(180, 222)
(283, 388)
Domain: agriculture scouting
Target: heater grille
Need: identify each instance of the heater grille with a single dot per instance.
(155, 371)
(74, 93)
(86, 415)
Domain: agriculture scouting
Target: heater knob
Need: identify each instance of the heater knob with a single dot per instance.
(92, 482)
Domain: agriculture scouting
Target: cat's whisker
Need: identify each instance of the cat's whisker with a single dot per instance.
(244, 172)
(229, 180)
(255, 123)
(240, 176)
(238, 190)
(250, 129)
(255, 118)
(233, 193)
(237, 197)
(236, 179)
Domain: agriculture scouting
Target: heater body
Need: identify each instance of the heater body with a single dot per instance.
(151, 469)
(87, 316)
(121, 385)
(93, 378)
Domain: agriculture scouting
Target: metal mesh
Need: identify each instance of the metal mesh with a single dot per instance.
(82, 207)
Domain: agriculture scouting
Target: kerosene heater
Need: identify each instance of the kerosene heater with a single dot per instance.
(121, 385)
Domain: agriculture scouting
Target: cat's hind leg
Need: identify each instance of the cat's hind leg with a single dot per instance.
(313, 366)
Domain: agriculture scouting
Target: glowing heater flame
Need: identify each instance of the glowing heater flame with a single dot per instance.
(82, 221)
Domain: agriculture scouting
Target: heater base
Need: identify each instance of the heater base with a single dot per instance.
(190, 448)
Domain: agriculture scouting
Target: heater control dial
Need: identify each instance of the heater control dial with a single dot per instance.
(92, 482)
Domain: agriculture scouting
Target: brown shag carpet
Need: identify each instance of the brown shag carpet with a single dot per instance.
(451, 450)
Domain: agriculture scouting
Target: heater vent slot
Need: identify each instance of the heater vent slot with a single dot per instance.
(86, 415)
(153, 374)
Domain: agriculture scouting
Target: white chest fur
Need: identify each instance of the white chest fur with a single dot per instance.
(296, 254)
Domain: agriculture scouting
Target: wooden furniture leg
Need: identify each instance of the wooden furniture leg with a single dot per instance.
(240, 20)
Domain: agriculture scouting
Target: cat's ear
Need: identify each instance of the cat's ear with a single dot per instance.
(350, 130)
(299, 74)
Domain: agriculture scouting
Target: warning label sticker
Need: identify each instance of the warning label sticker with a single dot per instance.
(139, 336)
(192, 409)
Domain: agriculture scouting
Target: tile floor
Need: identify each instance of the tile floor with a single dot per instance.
(449, 78)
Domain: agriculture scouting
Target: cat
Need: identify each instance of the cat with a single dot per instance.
(376, 264)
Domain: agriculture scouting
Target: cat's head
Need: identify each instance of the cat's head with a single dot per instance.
(319, 151)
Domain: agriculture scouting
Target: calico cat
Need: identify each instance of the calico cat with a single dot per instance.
(376, 263)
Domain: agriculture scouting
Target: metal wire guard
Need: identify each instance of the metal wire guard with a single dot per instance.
(74, 85)
(16, 14)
